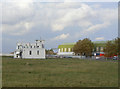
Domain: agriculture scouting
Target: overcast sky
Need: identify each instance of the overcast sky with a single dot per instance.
(57, 23)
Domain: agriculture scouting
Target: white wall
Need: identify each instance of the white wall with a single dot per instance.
(65, 53)
(34, 54)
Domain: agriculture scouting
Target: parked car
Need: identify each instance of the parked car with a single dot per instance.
(97, 58)
(115, 58)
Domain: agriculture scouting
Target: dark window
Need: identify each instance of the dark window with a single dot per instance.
(31, 46)
(42, 46)
(37, 46)
(30, 52)
(37, 52)
(18, 47)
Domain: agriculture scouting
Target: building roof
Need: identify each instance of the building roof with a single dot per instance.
(67, 45)
(103, 41)
(71, 45)
(99, 43)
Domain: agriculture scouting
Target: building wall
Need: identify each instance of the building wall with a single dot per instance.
(34, 54)
(66, 53)
(37, 50)
(67, 49)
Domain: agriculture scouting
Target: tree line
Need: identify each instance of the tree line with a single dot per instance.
(86, 46)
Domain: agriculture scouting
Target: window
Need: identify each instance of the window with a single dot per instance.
(65, 49)
(30, 52)
(59, 50)
(97, 49)
(101, 49)
(18, 47)
(31, 46)
(38, 52)
(37, 46)
(42, 46)
(62, 50)
(69, 49)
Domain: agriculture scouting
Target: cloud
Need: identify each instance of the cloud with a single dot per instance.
(57, 27)
(72, 16)
(61, 37)
(17, 29)
(97, 27)
(84, 16)
(92, 29)
(99, 38)
(14, 12)
(20, 18)
(17, 17)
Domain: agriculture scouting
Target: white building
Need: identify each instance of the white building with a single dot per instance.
(30, 51)
(66, 49)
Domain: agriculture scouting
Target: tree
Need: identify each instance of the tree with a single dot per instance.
(117, 44)
(84, 46)
(50, 52)
(76, 48)
(112, 47)
(109, 49)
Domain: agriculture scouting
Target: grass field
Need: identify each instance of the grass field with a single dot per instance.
(59, 73)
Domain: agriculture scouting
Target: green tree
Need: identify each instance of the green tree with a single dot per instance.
(117, 44)
(50, 52)
(76, 48)
(112, 47)
(109, 49)
(84, 46)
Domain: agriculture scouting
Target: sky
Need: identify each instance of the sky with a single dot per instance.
(57, 23)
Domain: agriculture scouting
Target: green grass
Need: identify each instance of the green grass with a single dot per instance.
(59, 73)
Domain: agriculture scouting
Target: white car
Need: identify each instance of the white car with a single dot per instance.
(97, 58)
(115, 58)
